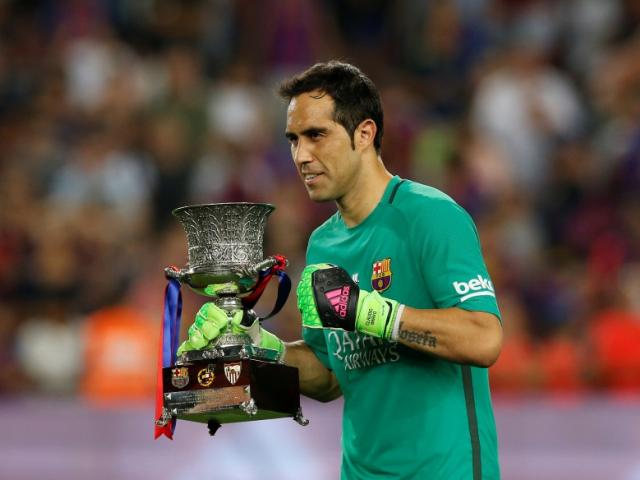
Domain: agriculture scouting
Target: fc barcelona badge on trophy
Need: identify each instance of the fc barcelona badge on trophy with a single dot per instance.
(180, 377)
(230, 380)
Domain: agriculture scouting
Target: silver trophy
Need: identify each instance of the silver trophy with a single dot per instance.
(230, 380)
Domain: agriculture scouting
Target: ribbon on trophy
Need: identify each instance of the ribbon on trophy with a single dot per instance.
(264, 276)
(169, 339)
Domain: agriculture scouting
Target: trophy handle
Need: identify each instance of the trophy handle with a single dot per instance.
(264, 265)
(174, 273)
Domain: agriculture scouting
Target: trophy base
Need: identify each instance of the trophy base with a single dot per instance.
(224, 391)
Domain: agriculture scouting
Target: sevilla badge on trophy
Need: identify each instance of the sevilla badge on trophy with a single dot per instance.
(229, 380)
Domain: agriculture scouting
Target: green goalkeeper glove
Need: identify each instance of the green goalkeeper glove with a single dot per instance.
(260, 337)
(328, 297)
(211, 321)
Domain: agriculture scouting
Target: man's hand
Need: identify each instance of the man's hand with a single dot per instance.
(211, 321)
(260, 337)
(328, 297)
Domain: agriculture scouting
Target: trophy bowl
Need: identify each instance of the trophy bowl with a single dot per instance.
(224, 244)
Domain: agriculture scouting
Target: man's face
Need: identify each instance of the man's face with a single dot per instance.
(320, 147)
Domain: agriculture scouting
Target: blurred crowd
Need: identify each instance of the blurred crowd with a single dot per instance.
(114, 112)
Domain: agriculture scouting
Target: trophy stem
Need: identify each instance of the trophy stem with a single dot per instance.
(228, 303)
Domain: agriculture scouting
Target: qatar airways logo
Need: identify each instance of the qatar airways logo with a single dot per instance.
(476, 287)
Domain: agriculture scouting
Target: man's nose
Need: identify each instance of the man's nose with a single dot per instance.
(302, 153)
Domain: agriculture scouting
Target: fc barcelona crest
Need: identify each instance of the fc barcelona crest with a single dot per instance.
(180, 377)
(232, 372)
(381, 275)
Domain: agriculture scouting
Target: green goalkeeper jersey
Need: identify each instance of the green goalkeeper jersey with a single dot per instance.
(408, 414)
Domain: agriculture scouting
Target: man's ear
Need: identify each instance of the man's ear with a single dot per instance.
(365, 134)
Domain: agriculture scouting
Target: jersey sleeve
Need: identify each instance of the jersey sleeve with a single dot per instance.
(447, 244)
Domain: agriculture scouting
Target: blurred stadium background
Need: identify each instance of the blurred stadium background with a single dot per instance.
(113, 112)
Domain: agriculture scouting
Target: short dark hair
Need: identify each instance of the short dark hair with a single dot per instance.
(355, 96)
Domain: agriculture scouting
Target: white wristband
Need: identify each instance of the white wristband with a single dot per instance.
(396, 325)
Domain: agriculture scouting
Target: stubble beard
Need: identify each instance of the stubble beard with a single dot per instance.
(319, 197)
(319, 193)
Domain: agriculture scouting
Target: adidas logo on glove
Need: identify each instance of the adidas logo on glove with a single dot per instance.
(339, 300)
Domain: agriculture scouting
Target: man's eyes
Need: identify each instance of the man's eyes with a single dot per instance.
(313, 136)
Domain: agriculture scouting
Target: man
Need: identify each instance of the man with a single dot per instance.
(399, 314)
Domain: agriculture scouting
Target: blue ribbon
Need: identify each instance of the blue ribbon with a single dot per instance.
(171, 322)
(284, 288)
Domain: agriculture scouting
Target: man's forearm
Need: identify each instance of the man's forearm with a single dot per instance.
(316, 381)
(454, 334)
